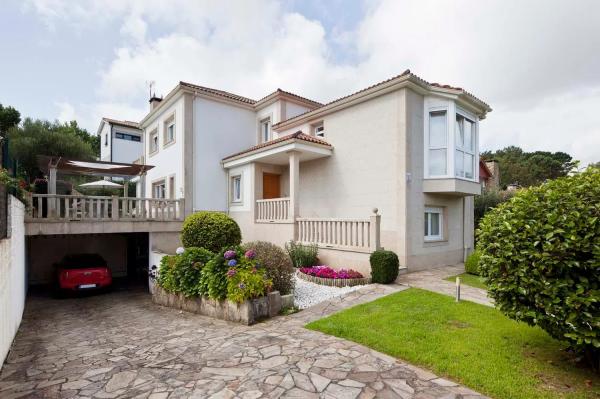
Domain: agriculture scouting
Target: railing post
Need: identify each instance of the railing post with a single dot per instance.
(115, 207)
(375, 231)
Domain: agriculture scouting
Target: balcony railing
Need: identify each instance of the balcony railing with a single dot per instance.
(273, 210)
(351, 234)
(66, 208)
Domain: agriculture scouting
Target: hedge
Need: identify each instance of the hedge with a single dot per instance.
(210, 230)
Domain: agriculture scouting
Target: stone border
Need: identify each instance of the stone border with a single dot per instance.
(333, 282)
(247, 312)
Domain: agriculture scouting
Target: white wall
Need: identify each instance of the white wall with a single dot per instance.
(168, 161)
(105, 139)
(219, 130)
(293, 109)
(12, 277)
(126, 151)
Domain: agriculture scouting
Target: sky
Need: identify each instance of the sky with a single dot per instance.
(537, 63)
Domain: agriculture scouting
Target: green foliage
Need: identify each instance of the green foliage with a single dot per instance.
(39, 137)
(277, 264)
(213, 280)
(302, 255)
(488, 200)
(540, 255)
(472, 263)
(384, 266)
(247, 282)
(183, 271)
(9, 117)
(12, 185)
(211, 230)
(165, 276)
(529, 168)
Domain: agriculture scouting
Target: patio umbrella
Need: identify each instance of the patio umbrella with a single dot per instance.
(101, 184)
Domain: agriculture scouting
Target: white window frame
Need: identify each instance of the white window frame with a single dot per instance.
(156, 184)
(459, 147)
(153, 133)
(429, 148)
(429, 210)
(169, 126)
(319, 130)
(266, 122)
(236, 193)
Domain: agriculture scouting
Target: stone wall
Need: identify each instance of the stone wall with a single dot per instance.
(12, 276)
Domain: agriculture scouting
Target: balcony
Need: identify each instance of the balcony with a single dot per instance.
(275, 210)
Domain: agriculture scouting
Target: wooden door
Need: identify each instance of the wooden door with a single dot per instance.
(270, 186)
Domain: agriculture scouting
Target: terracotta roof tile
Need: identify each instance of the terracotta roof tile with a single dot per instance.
(303, 99)
(221, 93)
(294, 136)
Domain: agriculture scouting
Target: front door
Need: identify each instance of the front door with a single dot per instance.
(270, 186)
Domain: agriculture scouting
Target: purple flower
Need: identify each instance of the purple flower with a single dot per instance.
(229, 254)
(231, 272)
(232, 263)
(242, 286)
(250, 254)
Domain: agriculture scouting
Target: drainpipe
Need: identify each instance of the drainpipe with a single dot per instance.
(464, 213)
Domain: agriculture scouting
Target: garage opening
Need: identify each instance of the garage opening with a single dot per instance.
(126, 255)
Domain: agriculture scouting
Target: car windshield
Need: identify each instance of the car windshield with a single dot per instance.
(82, 261)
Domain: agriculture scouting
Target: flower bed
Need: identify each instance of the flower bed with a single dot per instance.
(325, 275)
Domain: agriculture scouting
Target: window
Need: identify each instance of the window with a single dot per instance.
(265, 130)
(159, 189)
(169, 130)
(464, 157)
(172, 187)
(236, 189)
(434, 224)
(106, 139)
(319, 130)
(153, 141)
(130, 137)
(438, 143)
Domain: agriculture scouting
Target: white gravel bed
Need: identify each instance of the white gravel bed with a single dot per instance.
(307, 294)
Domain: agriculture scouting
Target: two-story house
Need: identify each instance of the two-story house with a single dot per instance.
(394, 165)
(120, 141)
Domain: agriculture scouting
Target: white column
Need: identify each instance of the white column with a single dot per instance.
(51, 190)
(294, 161)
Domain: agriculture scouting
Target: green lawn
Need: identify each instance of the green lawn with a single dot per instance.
(469, 343)
(469, 279)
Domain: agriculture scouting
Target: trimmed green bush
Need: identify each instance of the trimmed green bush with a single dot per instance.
(384, 266)
(181, 273)
(277, 264)
(302, 255)
(540, 256)
(472, 263)
(210, 230)
(488, 200)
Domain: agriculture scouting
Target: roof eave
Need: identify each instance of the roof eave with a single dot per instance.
(291, 140)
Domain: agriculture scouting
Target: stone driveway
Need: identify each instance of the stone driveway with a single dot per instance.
(122, 345)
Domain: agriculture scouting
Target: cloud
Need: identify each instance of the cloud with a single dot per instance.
(535, 62)
(66, 112)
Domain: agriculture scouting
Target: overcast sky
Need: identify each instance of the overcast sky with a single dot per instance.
(537, 63)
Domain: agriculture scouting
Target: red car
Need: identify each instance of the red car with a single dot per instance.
(83, 272)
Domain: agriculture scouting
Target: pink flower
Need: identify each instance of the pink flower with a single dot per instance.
(231, 272)
(229, 254)
(250, 254)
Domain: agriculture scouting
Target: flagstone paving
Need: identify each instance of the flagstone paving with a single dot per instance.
(121, 345)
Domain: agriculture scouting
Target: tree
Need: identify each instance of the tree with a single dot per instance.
(9, 117)
(39, 137)
(73, 128)
(529, 168)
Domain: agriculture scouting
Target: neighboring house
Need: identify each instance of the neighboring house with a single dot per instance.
(120, 141)
(489, 175)
(286, 167)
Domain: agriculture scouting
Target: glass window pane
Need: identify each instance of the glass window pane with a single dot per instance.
(437, 129)
(437, 162)
(469, 135)
(469, 166)
(458, 163)
(459, 131)
(435, 224)
(426, 224)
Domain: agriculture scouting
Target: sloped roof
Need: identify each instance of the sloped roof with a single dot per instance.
(280, 92)
(131, 124)
(290, 137)
(222, 93)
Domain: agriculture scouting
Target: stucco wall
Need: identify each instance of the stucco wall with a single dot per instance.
(219, 130)
(44, 251)
(293, 109)
(105, 139)
(126, 151)
(12, 277)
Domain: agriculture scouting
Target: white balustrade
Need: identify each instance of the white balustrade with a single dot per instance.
(273, 210)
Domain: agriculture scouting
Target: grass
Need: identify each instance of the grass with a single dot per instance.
(469, 343)
(469, 279)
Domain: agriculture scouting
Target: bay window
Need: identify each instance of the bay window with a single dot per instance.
(464, 157)
(438, 143)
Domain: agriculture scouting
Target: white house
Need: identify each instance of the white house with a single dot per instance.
(120, 141)
(394, 165)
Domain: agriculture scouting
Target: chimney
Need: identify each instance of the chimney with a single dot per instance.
(494, 167)
(154, 101)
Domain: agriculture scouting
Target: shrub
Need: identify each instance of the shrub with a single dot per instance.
(181, 273)
(328, 272)
(302, 255)
(384, 266)
(245, 279)
(540, 256)
(277, 264)
(488, 200)
(210, 230)
(472, 263)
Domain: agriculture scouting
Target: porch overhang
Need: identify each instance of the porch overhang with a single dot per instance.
(277, 151)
